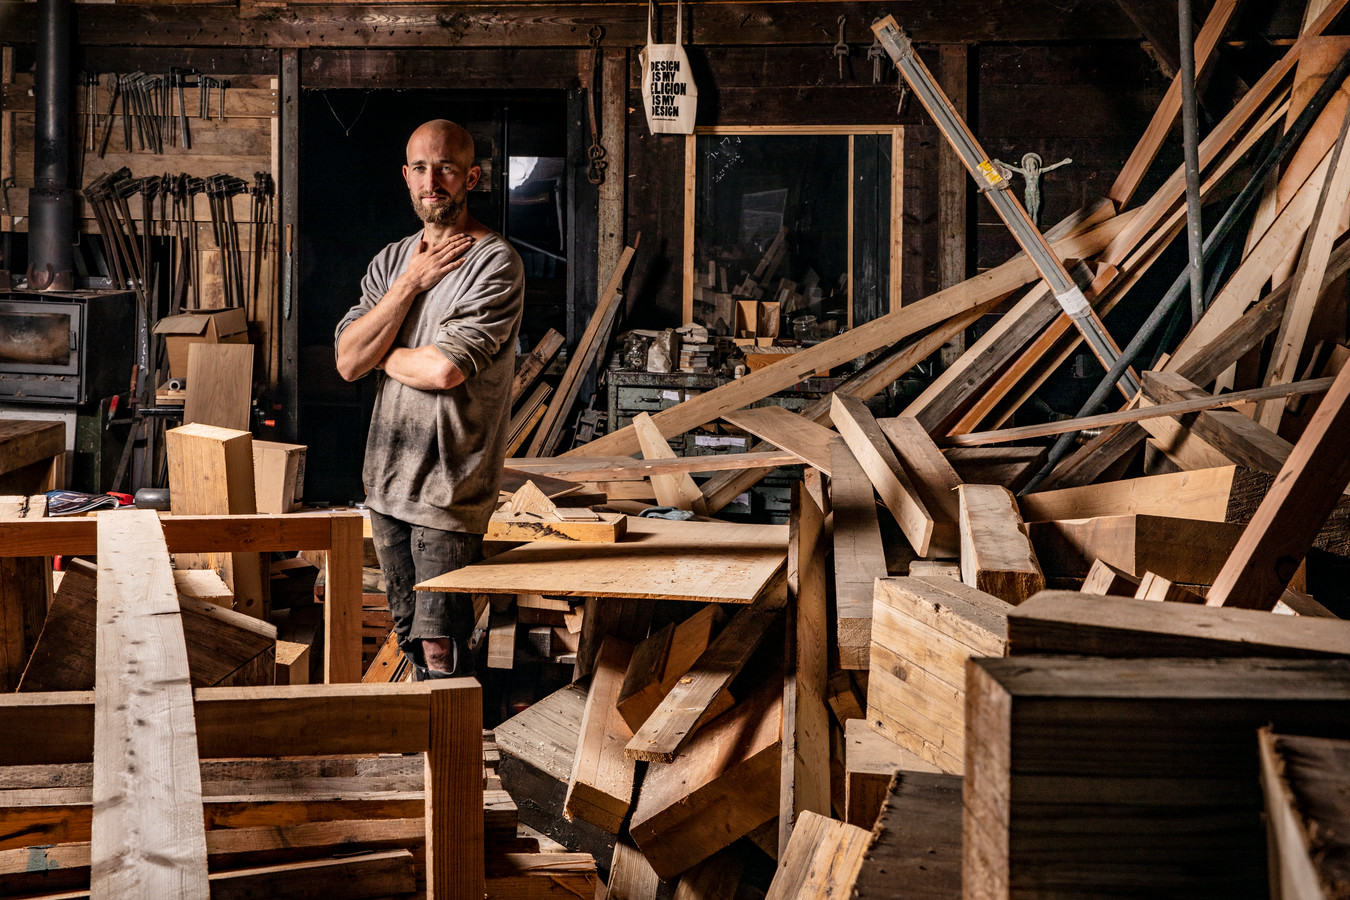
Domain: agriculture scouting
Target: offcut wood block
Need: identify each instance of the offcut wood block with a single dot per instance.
(923, 632)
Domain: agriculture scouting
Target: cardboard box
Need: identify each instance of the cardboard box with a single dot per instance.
(202, 326)
(278, 476)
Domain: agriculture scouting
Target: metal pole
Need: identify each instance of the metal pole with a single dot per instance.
(1191, 145)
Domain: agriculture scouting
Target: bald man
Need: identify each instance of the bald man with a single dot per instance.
(437, 323)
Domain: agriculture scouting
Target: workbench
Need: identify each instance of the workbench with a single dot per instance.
(32, 456)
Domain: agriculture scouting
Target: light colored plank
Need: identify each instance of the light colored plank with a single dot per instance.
(658, 559)
(930, 471)
(623, 468)
(342, 600)
(1326, 225)
(661, 660)
(821, 860)
(1104, 579)
(600, 790)
(859, 556)
(675, 490)
(996, 556)
(688, 705)
(722, 787)
(501, 637)
(860, 431)
(631, 877)
(1187, 550)
(1154, 587)
(1195, 494)
(804, 438)
(220, 385)
(149, 835)
(805, 784)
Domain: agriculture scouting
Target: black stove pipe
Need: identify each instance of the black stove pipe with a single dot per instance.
(51, 201)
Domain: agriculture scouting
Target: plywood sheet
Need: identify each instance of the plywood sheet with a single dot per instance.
(714, 562)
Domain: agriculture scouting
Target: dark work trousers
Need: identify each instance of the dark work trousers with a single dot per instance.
(410, 554)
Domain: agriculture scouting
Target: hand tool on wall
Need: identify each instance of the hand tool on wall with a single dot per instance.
(994, 186)
(840, 48)
(115, 88)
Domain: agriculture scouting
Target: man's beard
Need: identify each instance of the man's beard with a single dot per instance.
(441, 213)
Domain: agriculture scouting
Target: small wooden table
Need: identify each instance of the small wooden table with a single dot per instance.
(32, 456)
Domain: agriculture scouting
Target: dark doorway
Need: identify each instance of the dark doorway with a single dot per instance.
(353, 202)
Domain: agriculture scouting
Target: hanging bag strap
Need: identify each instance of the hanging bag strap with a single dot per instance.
(679, 21)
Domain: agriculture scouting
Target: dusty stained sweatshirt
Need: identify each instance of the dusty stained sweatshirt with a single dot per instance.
(434, 458)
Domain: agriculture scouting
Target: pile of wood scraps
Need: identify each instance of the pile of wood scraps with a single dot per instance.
(986, 658)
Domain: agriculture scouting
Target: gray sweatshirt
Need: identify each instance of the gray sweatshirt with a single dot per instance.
(434, 458)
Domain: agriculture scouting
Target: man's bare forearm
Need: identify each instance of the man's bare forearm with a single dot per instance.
(424, 368)
(368, 340)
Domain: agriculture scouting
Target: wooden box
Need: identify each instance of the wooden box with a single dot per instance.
(923, 632)
(278, 476)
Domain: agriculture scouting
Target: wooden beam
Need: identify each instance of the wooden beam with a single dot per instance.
(534, 364)
(721, 787)
(1307, 280)
(1062, 622)
(555, 26)
(917, 840)
(454, 790)
(820, 861)
(674, 490)
(1160, 126)
(870, 336)
(149, 836)
(859, 556)
(869, 445)
(953, 187)
(1187, 550)
(661, 660)
(624, 468)
(1306, 489)
(1207, 494)
(807, 440)
(1234, 435)
(673, 724)
(805, 783)
(601, 787)
(1104, 579)
(583, 358)
(1137, 414)
(996, 556)
(1305, 785)
(933, 476)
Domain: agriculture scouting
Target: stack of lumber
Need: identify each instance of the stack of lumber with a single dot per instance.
(999, 667)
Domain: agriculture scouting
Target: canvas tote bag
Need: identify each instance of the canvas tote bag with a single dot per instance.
(668, 90)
